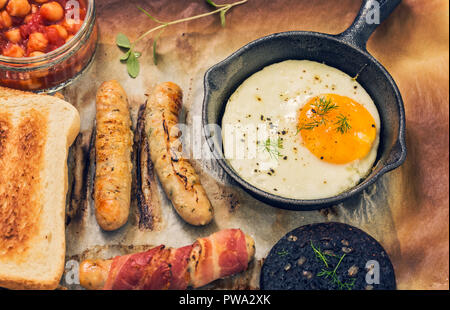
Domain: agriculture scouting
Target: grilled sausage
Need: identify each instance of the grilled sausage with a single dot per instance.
(94, 273)
(113, 157)
(178, 178)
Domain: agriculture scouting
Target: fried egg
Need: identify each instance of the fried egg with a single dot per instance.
(301, 129)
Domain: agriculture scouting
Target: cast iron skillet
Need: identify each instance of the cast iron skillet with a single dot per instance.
(347, 52)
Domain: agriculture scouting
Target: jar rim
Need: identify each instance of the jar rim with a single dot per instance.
(60, 50)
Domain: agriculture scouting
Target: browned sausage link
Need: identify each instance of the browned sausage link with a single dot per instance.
(94, 273)
(113, 157)
(178, 178)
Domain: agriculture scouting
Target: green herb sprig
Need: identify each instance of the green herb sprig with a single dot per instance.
(322, 109)
(273, 147)
(131, 57)
(343, 124)
(319, 254)
(325, 106)
(283, 253)
(312, 125)
(331, 274)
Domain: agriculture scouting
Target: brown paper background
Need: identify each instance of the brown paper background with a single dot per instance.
(406, 210)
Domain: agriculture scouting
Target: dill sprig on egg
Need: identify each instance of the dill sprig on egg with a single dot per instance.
(322, 109)
(273, 147)
(312, 125)
(325, 106)
(343, 124)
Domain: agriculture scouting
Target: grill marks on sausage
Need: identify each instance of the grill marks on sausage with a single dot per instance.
(180, 170)
(21, 160)
(178, 178)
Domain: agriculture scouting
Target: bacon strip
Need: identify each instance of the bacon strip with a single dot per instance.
(116, 266)
(221, 255)
(218, 256)
(179, 261)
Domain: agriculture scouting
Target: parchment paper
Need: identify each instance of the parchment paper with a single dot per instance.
(406, 210)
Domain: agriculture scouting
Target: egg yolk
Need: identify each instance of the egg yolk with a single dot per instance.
(337, 129)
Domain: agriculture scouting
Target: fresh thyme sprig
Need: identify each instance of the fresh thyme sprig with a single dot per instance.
(131, 56)
(332, 274)
(273, 147)
(343, 124)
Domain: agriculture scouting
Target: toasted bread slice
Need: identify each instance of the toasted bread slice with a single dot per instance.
(6, 92)
(36, 132)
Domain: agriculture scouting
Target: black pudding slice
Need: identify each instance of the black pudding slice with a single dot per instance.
(327, 256)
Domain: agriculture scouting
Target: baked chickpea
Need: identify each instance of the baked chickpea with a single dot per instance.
(5, 20)
(71, 25)
(13, 35)
(18, 8)
(2, 3)
(62, 32)
(34, 54)
(37, 42)
(31, 84)
(13, 50)
(52, 11)
(28, 18)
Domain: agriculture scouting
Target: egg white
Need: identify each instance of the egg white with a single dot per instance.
(267, 106)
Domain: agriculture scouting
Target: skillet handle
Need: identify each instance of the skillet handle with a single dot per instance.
(371, 15)
(397, 156)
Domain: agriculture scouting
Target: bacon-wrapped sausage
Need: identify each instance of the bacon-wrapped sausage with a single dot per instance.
(220, 255)
(178, 178)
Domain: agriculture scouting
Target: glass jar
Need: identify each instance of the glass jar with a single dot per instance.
(53, 71)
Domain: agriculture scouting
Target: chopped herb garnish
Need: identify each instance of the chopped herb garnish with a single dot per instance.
(273, 147)
(331, 274)
(283, 253)
(312, 125)
(322, 108)
(325, 106)
(319, 254)
(343, 124)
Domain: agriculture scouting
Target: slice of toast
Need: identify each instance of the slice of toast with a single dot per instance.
(36, 132)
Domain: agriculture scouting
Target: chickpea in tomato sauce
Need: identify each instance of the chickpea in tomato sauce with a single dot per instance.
(30, 28)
